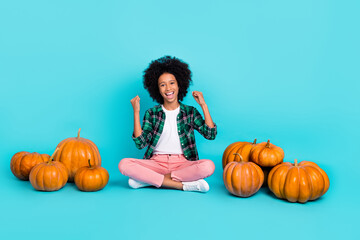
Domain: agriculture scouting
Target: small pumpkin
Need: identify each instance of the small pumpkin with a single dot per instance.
(242, 148)
(266, 154)
(49, 176)
(298, 182)
(242, 178)
(75, 152)
(22, 163)
(91, 178)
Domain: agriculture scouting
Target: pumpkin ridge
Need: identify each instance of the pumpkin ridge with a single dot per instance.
(298, 173)
(235, 188)
(293, 171)
(249, 172)
(282, 189)
(318, 173)
(35, 171)
(42, 178)
(230, 177)
(50, 175)
(224, 176)
(83, 180)
(102, 180)
(23, 160)
(48, 179)
(45, 176)
(303, 195)
(277, 191)
(240, 175)
(30, 160)
(312, 193)
(79, 153)
(325, 179)
(58, 174)
(61, 173)
(244, 179)
(18, 163)
(76, 156)
(252, 171)
(64, 173)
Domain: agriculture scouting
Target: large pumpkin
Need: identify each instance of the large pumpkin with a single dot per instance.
(49, 176)
(266, 154)
(22, 163)
(91, 178)
(298, 182)
(75, 152)
(242, 178)
(242, 148)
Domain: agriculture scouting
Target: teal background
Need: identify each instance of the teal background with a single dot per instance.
(287, 71)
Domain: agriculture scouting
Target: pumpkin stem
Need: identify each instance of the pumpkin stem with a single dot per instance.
(89, 163)
(296, 163)
(268, 144)
(52, 156)
(241, 158)
(78, 136)
(254, 141)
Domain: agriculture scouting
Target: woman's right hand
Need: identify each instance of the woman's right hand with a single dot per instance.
(135, 102)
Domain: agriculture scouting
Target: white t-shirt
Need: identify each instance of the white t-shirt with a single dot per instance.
(169, 142)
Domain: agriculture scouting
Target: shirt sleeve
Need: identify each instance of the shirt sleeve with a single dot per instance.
(200, 125)
(144, 139)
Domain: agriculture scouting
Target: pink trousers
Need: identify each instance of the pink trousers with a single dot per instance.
(152, 170)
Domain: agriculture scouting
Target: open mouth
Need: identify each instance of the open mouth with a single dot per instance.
(170, 94)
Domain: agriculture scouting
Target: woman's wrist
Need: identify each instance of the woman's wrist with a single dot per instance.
(203, 106)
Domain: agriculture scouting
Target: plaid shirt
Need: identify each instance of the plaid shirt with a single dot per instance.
(188, 119)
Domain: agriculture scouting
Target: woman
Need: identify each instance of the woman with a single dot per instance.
(171, 159)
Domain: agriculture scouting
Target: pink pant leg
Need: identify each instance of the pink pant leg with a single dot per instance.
(148, 171)
(193, 170)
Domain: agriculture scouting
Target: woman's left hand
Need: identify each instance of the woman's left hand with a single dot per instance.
(199, 98)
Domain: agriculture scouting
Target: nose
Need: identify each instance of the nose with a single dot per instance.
(167, 86)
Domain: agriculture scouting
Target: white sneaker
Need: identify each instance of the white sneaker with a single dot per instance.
(196, 186)
(137, 184)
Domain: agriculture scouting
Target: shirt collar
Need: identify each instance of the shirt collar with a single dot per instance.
(182, 108)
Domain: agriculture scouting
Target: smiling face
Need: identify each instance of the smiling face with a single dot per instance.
(168, 88)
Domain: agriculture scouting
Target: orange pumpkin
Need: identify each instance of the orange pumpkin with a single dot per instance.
(91, 178)
(75, 152)
(242, 178)
(242, 148)
(49, 176)
(298, 182)
(267, 154)
(22, 163)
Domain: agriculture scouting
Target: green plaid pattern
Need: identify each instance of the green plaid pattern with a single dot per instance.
(188, 119)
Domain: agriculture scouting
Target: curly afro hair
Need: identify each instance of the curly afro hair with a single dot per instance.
(167, 64)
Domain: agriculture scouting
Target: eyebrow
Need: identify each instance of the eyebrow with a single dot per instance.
(164, 81)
